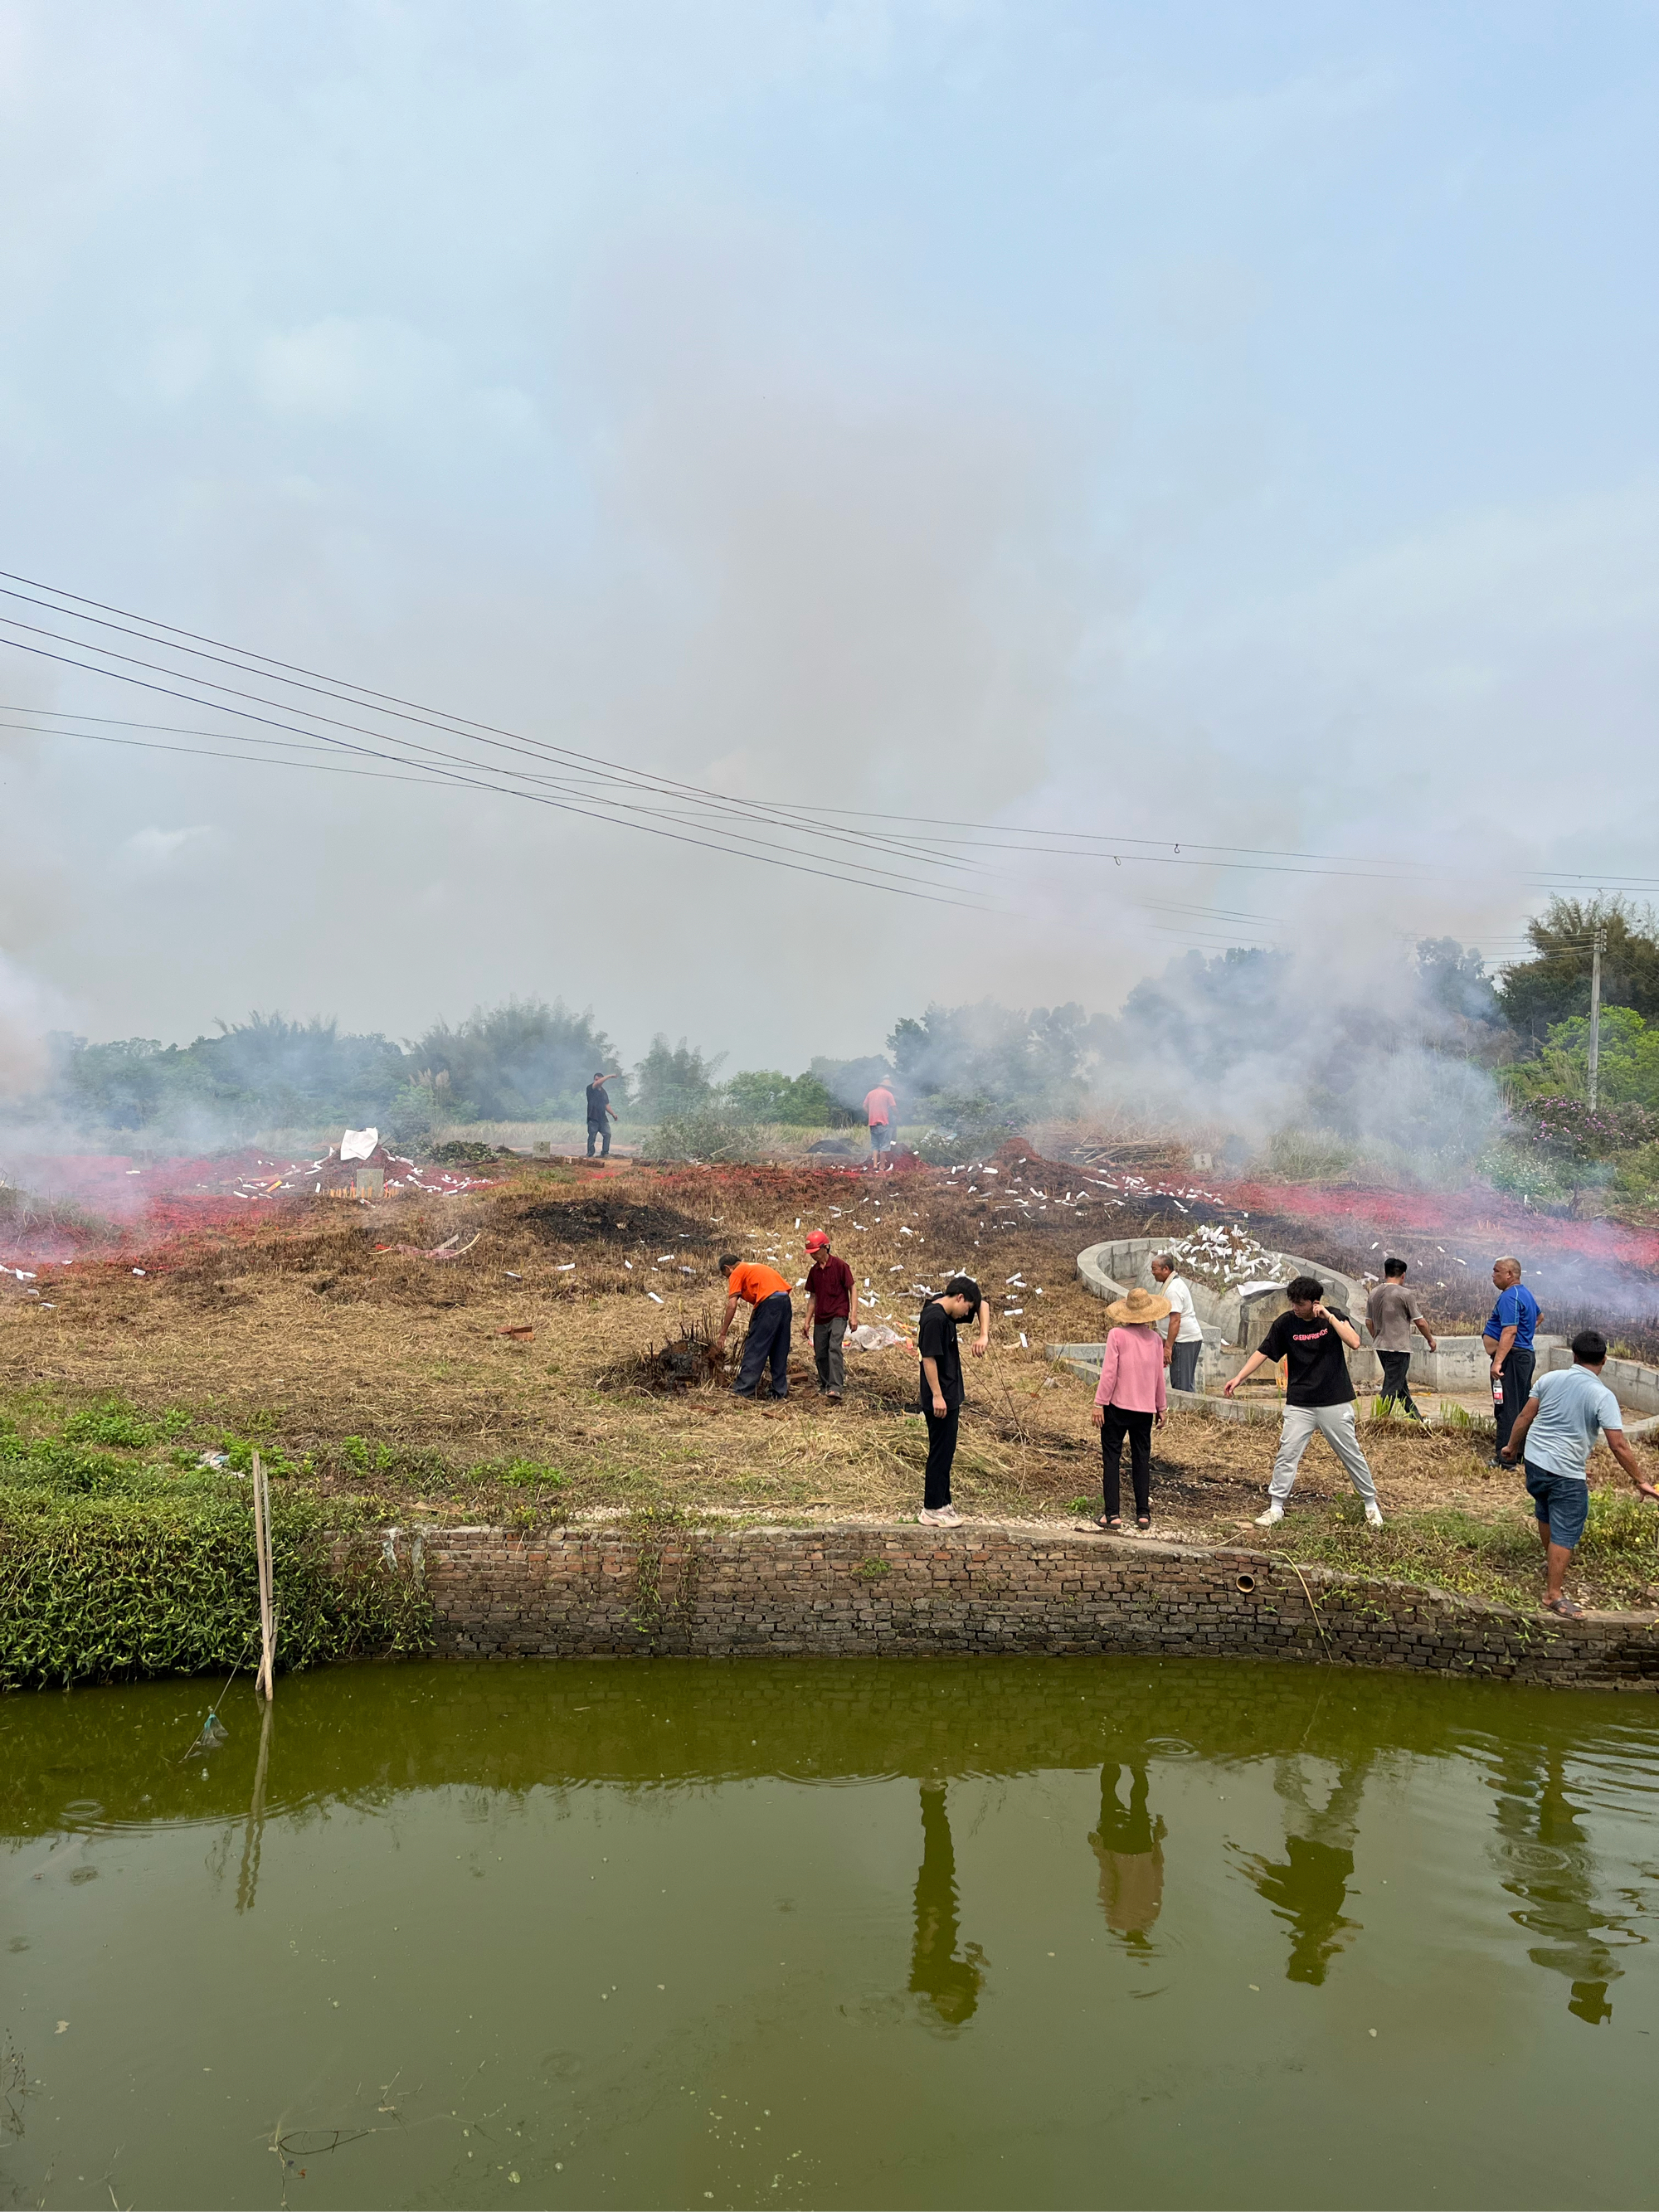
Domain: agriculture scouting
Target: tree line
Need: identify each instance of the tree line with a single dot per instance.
(971, 1071)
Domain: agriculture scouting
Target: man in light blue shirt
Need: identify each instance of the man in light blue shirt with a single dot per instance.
(1554, 1435)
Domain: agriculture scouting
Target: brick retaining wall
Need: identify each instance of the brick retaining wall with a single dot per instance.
(857, 1590)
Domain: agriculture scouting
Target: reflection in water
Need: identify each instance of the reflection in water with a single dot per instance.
(1129, 1845)
(253, 1839)
(1548, 1866)
(950, 1985)
(1310, 1887)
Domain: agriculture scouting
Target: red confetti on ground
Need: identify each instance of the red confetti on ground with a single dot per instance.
(111, 1207)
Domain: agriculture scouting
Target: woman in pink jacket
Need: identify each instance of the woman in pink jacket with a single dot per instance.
(1132, 1397)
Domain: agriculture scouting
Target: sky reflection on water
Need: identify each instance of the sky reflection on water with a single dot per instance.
(1019, 1932)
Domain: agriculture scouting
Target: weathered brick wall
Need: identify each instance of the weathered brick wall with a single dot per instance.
(866, 1589)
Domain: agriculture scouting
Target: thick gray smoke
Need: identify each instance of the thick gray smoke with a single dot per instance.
(1306, 1058)
(1267, 1046)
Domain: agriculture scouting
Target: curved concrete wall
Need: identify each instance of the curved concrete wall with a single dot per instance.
(1239, 1316)
(1244, 1317)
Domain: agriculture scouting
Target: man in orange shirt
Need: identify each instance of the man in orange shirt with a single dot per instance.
(769, 1325)
(879, 1107)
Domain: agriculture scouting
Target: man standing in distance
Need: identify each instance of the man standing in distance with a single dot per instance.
(940, 1394)
(1391, 1314)
(599, 1115)
(832, 1308)
(769, 1325)
(1183, 1339)
(1319, 1395)
(1508, 1338)
(879, 1107)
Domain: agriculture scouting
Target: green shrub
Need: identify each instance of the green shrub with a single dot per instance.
(1620, 1525)
(105, 1586)
(710, 1131)
(523, 1474)
(112, 1422)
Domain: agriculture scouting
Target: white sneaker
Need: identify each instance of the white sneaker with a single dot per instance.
(1275, 1512)
(943, 1516)
(1373, 1516)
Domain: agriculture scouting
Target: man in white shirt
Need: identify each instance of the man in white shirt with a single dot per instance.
(1552, 1436)
(1183, 1338)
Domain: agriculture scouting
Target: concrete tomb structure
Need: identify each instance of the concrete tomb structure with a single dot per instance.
(1235, 1319)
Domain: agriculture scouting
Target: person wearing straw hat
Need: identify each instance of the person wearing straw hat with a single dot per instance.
(1133, 1395)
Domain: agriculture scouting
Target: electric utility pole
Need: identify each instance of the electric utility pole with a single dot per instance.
(1597, 947)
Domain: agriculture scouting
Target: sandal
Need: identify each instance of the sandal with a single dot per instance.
(1564, 1607)
(1108, 1524)
(1143, 1521)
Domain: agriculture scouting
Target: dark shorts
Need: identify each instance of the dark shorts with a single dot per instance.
(1562, 1501)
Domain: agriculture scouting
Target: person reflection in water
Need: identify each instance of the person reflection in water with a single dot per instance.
(950, 1985)
(1310, 1887)
(1129, 1845)
(1549, 1869)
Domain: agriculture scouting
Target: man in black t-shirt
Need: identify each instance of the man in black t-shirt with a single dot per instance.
(1318, 1394)
(940, 1389)
(601, 1116)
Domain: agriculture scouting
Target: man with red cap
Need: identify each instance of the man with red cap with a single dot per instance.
(832, 1308)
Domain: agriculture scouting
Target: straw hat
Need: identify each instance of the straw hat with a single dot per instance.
(1140, 1305)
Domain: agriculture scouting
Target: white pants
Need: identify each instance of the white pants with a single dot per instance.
(1336, 1425)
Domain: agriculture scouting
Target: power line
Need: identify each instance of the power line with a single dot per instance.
(741, 828)
(861, 873)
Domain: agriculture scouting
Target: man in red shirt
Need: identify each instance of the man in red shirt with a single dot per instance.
(770, 1325)
(879, 1107)
(832, 1308)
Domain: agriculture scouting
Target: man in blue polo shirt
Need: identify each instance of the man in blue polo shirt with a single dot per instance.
(1508, 1338)
(1558, 1423)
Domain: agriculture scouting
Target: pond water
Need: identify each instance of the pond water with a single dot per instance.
(1020, 1932)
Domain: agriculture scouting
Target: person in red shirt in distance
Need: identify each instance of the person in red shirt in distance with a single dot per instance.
(881, 1111)
(832, 1308)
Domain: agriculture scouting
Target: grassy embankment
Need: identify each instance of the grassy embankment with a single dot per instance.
(381, 1389)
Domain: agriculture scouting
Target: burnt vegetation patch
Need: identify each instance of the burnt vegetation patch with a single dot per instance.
(686, 1361)
(612, 1219)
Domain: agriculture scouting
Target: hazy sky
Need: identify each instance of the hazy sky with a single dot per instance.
(1226, 424)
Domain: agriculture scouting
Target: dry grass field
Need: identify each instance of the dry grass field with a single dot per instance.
(326, 1335)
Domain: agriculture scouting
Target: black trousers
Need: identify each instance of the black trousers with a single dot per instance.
(1517, 1389)
(1138, 1427)
(1396, 1366)
(941, 1450)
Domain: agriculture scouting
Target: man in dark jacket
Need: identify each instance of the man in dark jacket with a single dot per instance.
(601, 1116)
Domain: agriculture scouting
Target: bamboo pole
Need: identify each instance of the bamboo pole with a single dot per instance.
(267, 1681)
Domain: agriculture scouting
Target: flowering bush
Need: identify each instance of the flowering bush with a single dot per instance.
(1572, 1129)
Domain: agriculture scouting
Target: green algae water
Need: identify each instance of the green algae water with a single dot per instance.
(1020, 1933)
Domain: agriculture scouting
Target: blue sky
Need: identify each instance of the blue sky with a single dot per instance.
(1229, 424)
